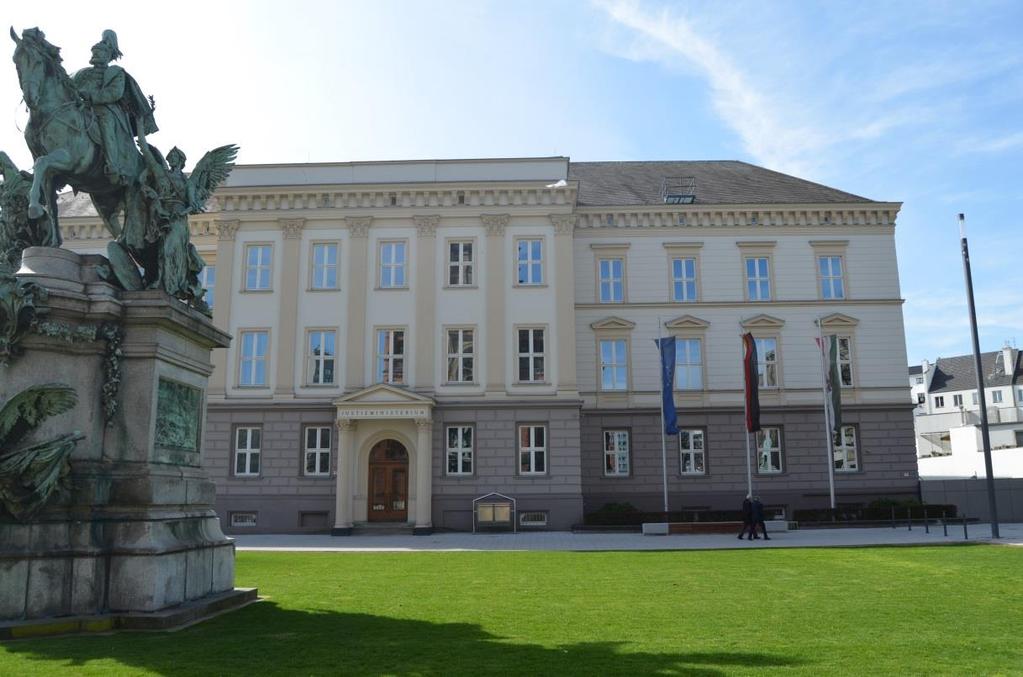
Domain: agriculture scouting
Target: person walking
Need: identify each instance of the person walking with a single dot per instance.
(758, 518)
(747, 519)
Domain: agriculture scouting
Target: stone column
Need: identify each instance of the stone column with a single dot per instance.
(290, 332)
(355, 337)
(424, 339)
(564, 292)
(494, 335)
(222, 294)
(344, 491)
(424, 477)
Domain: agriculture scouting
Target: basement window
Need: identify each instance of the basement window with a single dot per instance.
(533, 519)
(243, 519)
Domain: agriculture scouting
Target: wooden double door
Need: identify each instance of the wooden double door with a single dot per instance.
(388, 482)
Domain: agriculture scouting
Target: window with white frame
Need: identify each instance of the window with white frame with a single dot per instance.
(758, 279)
(996, 396)
(1019, 395)
(390, 356)
(317, 450)
(770, 457)
(845, 371)
(847, 457)
(939, 401)
(258, 262)
(247, 443)
(973, 397)
(692, 453)
(321, 356)
(688, 364)
(461, 268)
(611, 279)
(459, 447)
(530, 261)
(208, 280)
(461, 356)
(614, 370)
(531, 355)
(957, 400)
(767, 362)
(393, 261)
(683, 279)
(832, 284)
(616, 453)
(532, 449)
(325, 265)
(252, 366)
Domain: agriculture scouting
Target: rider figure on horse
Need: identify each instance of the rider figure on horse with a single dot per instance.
(118, 102)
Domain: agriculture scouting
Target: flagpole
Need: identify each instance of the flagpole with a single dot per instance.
(827, 417)
(664, 443)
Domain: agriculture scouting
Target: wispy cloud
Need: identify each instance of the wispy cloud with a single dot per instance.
(995, 144)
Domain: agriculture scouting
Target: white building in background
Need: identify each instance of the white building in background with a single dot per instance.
(947, 417)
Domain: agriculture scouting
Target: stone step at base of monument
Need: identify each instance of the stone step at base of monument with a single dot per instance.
(171, 619)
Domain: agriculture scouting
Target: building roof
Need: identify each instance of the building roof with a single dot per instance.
(601, 184)
(620, 184)
(957, 373)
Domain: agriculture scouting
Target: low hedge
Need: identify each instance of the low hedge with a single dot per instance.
(876, 512)
(624, 514)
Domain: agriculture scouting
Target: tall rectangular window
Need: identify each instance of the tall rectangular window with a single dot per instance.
(532, 449)
(688, 364)
(531, 356)
(253, 358)
(692, 454)
(770, 457)
(320, 358)
(616, 453)
(461, 356)
(939, 401)
(683, 280)
(459, 448)
(390, 356)
(758, 279)
(393, 261)
(996, 397)
(957, 400)
(258, 262)
(325, 265)
(208, 280)
(614, 370)
(832, 284)
(611, 274)
(847, 457)
(530, 262)
(845, 361)
(767, 362)
(246, 451)
(317, 450)
(461, 268)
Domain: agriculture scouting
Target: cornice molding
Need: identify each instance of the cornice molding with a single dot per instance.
(838, 321)
(612, 323)
(687, 322)
(762, 321)
(756, 216)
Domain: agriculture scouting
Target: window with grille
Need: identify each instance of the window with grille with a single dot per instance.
(317, 450)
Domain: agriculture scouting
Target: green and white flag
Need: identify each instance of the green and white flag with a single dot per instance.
(834, 386)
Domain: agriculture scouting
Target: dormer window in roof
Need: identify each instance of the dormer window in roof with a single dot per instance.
(678, 190)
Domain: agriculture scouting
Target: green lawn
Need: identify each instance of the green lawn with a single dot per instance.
(894, 611)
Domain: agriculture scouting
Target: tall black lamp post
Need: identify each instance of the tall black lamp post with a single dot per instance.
(984, 435)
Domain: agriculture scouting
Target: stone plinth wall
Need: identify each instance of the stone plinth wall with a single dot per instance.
(136, 530)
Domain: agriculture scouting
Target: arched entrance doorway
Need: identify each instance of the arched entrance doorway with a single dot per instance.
(388, 482)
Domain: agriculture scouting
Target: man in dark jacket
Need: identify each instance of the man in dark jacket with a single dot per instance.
(747, 519)
(758, 518)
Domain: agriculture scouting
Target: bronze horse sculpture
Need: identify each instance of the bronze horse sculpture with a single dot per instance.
(63, 137)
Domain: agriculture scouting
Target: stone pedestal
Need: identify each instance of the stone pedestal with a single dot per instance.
(136, 532)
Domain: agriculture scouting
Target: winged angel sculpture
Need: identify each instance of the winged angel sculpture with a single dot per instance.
(82, 132)
(29, 474)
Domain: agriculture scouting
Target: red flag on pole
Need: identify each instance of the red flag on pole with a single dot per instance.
(752, 378)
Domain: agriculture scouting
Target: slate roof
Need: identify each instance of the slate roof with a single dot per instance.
(620, 184)
(957, 373)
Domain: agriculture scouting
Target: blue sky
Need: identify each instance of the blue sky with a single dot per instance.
(919, 102)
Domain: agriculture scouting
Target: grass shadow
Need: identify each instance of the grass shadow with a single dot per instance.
(265, 639)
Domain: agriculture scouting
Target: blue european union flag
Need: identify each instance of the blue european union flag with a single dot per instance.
(667, 348)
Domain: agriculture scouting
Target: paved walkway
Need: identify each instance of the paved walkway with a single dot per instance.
(1011, 534)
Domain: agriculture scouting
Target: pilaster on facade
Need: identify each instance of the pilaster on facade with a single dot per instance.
(564, 290)
(227, 230)
(496, 325)
(289, 330)
(358, 270)
(426, 302)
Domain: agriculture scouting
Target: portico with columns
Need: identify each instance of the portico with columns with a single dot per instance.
(384, 459)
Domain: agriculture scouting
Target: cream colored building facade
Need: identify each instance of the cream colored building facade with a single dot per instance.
(409, 336)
